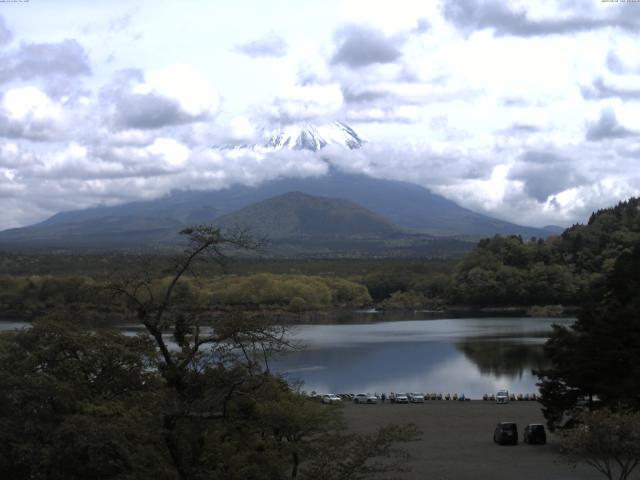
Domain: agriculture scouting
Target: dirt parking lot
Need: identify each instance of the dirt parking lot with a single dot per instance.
(457, 441)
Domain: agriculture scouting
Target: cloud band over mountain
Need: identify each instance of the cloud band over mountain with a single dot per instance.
(458, 97)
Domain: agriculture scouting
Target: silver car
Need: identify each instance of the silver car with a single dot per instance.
(401, 398)
(365, 398)
(416, 397)
(330, 398)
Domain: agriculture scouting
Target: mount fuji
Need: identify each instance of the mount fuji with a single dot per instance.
(409, 208)
(306, 137)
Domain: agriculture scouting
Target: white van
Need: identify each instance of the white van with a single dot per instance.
(502, 396)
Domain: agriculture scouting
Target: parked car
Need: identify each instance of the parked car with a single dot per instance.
(534, 433)
(416, 397)
(502, 396)
(330, 398)
(365, 398)
(505, 433)
(401, 398)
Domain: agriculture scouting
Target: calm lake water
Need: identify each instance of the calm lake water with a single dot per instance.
(471, 356)
(464, 355)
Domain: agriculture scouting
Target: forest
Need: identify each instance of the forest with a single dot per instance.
(95, 403)
(499, 272)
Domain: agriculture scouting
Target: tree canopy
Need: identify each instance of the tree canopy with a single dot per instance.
(595, 362)
(608, 442)
(564, 269)
(192, 398)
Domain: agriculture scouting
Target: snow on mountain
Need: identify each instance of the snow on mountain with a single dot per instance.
(307, 137)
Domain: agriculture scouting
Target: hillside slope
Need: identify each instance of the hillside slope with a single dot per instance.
(297, 214)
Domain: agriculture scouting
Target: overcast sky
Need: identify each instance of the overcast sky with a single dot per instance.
(527, 111)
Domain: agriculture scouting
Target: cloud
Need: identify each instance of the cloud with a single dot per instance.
(388, 102)
(429, 164)
(624, 55)
(216, 169)
(391, 88)
(436, 97)
(122, 22)
(378, 99)
(607, 126)
(239, 131)
(362, 45)
(352, 94)
(13, 157)
(398, 114)
(75, 176)
(470, 15)
(422, 25)
(27, 112)
(544, 174)
(100, 163)
(269, 45)
(303, 103)
(599, 89)
(616, 64)
(173, 95)
(148, 111)
(521, 129)
(37, 60)
(5, 34)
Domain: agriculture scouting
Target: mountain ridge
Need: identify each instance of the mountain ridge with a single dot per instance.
(404, 205)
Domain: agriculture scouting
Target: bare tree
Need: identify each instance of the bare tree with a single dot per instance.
(208, 383)
(161, 310)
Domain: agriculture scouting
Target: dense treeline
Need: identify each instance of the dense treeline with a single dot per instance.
(502, 271)
(101, 265)
(293, 285)
(294, 293)
(590, 388)
(564, 269)
(510, 271)
(595, 361)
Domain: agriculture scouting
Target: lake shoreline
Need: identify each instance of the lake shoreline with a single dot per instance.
(341, 315)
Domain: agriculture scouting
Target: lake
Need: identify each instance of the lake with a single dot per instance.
(463, 355)
(470, 355)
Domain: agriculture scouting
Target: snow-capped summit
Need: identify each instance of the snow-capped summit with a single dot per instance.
(307, 137)
(310, 137)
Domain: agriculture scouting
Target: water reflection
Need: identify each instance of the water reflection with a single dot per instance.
(470, 356)
(499, 358)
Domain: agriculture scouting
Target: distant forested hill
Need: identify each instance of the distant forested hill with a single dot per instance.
(561, 269)
(298, 215)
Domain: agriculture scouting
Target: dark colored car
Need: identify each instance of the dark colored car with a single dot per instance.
(535, 433)
(506, 433)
